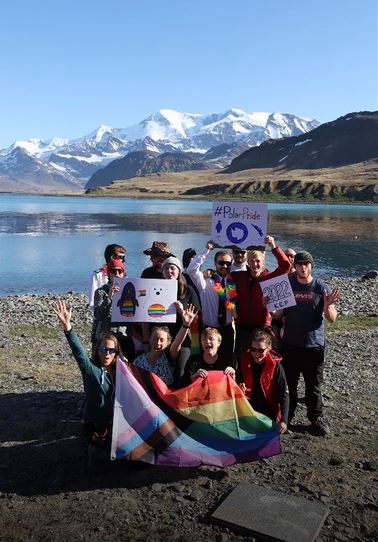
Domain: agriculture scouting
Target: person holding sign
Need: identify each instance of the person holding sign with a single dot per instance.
(303, 338)
(103, 300)
(218, 296)
(250, 308)
(263, 379)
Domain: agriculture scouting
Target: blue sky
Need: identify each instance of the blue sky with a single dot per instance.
(67, 67)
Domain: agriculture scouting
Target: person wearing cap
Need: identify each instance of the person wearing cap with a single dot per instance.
(303, 338)
(100, 276)
(158, 252)
(217, 295)
(239, 259)
(186, 296)
(250, 308)
(103, 309)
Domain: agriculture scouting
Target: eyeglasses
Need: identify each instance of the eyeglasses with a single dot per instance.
(257, 350)
(223, 263)
(119, 257)
(104, 350)
(240, 252)
(116, 271)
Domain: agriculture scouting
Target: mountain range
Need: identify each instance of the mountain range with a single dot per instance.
(211, 140)
(350, 139)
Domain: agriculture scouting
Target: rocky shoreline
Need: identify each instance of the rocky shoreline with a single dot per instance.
(46, 492)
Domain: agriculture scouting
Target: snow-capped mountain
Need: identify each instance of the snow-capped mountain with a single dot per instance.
(165, 131)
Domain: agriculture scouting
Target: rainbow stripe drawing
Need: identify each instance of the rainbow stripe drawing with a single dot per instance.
(209, 422)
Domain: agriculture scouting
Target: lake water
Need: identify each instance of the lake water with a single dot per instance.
(52, 244)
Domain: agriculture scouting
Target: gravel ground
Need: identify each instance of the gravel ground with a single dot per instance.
(47, 493)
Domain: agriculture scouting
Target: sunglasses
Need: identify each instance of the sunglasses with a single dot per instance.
(257, 350)
(104, 350)
(118, 257)
(116, 271)
(223, 263)
(242, 252)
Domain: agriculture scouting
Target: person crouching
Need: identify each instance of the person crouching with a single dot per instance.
(262, 378)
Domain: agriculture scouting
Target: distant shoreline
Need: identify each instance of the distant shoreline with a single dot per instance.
(225, 197)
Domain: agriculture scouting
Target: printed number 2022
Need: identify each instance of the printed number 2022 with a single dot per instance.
(277, 291)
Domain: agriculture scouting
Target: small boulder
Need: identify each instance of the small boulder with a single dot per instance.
(370, 275)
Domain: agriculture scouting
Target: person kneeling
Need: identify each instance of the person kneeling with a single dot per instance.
(99, 384)
(208, 360)
(263, 379)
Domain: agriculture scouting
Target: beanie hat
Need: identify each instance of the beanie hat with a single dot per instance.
(303, 256)
(172, 261)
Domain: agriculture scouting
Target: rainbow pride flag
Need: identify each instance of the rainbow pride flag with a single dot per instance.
(209, 422)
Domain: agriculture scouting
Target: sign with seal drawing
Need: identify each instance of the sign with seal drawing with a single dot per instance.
(144, 300)
(236, 224)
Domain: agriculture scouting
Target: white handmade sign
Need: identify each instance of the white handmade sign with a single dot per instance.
(236, 224)
(144, 300)
(278, 292)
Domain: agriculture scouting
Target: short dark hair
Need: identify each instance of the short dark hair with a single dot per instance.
(221, 253)
(265, 334)
(110, 250)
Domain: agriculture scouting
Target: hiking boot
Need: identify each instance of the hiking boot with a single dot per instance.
(320, 427)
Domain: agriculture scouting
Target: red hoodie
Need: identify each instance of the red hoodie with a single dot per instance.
(250, 310)
(266, 379)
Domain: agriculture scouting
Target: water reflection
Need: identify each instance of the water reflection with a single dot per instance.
(57, 242)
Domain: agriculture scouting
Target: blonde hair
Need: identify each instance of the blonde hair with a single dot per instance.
(211, 331)
(255, 254)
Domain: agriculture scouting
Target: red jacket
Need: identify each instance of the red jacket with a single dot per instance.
(250, 311)
(266, 379)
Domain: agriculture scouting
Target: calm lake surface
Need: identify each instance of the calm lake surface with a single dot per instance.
(52, 244)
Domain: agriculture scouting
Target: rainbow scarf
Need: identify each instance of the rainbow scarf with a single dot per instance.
(228, 294)
(209, 422)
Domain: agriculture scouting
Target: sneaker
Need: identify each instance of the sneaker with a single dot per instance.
(320, 427)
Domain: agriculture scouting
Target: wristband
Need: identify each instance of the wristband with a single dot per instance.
(185, 327)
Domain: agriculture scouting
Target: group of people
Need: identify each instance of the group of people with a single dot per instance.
(227, 306)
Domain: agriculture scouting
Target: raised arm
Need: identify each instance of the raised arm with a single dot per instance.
(187, 315)
(282, 260)
(63, 314)
(64, 317)
(194, 266)
(329, 310)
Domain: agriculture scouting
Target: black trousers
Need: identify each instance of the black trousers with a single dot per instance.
(308, 362)
(227, 347)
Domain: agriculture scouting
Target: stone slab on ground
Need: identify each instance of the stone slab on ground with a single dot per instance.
(272, 514)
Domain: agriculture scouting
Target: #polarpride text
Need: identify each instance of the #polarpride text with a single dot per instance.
(229, 212)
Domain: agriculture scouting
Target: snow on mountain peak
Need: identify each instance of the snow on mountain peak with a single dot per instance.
(164, 130)
(97, 134)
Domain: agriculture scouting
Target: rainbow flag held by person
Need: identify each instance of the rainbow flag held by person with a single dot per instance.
(209, 422)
